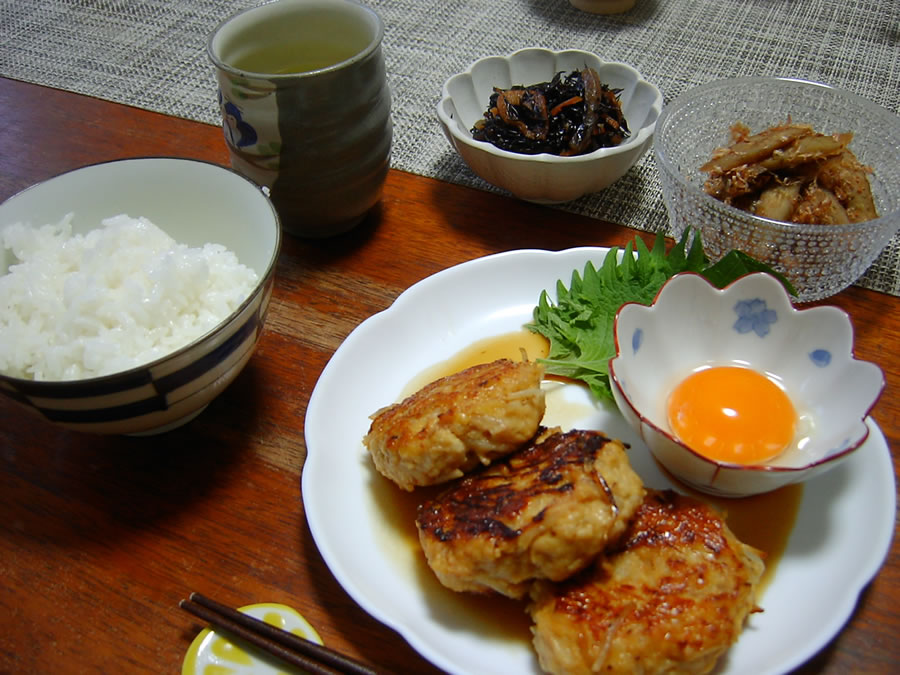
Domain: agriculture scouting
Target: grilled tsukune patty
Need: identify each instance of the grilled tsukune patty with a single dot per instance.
(457, 422)
(543, 512)
(671, 597)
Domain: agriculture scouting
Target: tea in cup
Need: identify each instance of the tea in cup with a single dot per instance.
(306, 108)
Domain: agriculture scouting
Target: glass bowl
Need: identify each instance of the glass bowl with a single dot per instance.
(819, 260)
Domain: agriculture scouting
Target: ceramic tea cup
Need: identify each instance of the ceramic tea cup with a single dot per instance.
(603, 6)
(306, 108)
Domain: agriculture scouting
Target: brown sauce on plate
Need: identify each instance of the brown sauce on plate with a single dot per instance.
(763, 521)
(500, 618)
(510, 346)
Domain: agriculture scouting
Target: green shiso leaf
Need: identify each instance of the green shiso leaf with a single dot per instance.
(736, 264)
(579, 325)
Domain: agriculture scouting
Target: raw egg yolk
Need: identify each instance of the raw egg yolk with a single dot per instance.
(732, 414)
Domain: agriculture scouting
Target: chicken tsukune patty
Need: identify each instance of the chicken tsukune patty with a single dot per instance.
(544, 511)
(458, 422)
(671, 597)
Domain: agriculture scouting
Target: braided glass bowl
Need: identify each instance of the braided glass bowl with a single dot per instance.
(819, 260)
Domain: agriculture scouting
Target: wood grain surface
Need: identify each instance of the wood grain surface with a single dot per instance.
(100, 537)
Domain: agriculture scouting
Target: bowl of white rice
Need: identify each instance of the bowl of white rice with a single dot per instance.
(132, 292)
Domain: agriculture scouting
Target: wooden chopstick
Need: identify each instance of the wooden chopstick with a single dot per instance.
(281, 644)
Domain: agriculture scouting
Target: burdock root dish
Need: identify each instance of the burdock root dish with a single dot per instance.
(792, 174)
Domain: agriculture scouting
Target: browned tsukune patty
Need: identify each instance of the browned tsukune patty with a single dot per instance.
(671, 597)
(543, 512)
(457, 422)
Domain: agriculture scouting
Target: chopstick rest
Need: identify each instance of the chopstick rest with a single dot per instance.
(281, 644)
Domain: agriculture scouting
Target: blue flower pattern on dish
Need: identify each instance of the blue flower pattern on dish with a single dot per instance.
(754, 315)
(636, 339)
(820, 357)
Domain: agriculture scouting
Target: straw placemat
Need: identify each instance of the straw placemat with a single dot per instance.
(151, 54)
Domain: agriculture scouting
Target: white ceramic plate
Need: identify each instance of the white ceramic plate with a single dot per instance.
(843, 530)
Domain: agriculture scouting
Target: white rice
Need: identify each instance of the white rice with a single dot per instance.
(78, 306)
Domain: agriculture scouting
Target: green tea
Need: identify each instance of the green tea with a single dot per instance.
(295, 57)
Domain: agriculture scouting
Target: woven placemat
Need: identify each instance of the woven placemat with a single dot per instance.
(152, 54)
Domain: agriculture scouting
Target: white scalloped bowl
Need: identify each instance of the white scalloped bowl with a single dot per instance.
(751, 323)
(545, 178)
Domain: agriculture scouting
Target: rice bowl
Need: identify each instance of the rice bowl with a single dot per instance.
(228, 237)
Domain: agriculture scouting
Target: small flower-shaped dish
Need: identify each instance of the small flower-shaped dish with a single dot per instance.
(546, 178)
(214, 652)
(808, 353)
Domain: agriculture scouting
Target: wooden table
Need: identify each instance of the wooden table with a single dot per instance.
(100, 537)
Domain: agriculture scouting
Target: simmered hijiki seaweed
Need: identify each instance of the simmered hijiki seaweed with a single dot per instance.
(572, 114)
